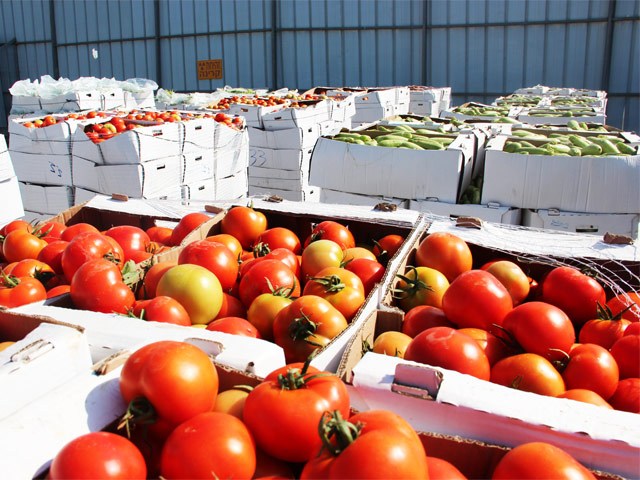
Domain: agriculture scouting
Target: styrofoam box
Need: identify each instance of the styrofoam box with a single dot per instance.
(524, 117)
(203, 189)
(393, 172)
(133, 146)
(593, 223)
(491, 213)
(253, 113)
(198, 166)
(43, 169)
(52, 140)
(574, 184)
(290, 139)
(346, 198)
(280, 159)
(6, 162)
(198, 134)
(46, 199)
(288, 118)
(150, 179)
(12, 206)
(306, 194)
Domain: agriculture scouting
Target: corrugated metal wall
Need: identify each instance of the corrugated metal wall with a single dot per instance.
(481, 48)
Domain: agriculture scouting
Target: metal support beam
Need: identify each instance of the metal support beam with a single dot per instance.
(54, 39)
(608, 46)
(156, 16)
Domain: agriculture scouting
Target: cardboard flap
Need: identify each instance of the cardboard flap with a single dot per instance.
(418, 380)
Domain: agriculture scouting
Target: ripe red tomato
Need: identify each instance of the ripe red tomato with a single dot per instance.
(513, 278)
(574, 292)
(626, 352)
(72, 230)
(50, 230)
(234, 326)
(59, 290)
(591, 367)
(494, 347)
(98, 286)
(476, 299)
(280, 237)
(16, 225)
(231, 307)
(537, 460)
(266, 276)
(446, 253)
(421, 317)
(215, 257)
(528, 372)
(621, 303)
(21, 244)
(632, 329)
(160, 235)
(51, 254)
(342, 288)
(99, 455)
(387, 246)
(586, 396)
(162, 309)
(294, 398)
(603, 331)
(369, 271)
(210, 442)
(87, 246)
(245, 224)
(131, 239)
(186, 225)
(541, 328)
(447, 348)
(16, 291)
(334, 231)
(440, 469)
(420, 286)
(627, 395)
(185, 385)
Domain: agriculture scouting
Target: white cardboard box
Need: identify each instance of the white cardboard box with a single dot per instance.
(575, 184)
(306, 194)
(204, 189)
(12, 207)
(198, 134)
(346, 198)
(6, 162)
(491, 213)
(253, 114)
(83, 195)
(525, 117)
(229, 161)
(232, 187)
(198, 165)
(279, 179)
(52, 140)
(393, 172)
(288, 118)
(43, 169)
(46, 199)
(290, 139)
(112, 98)
(593, 223)
(368, 113)
(280, 159)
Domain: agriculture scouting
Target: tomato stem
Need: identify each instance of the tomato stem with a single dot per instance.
(337, 433)
(139, 412)
(302, 327)
(413, 285)
(10, 281)
(331, 283)
(261, 249)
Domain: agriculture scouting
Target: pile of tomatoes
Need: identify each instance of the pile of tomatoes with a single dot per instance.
(558, 335)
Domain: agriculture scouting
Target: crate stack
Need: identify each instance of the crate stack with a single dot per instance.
(374, 104)
(9, 187)
(429, 101)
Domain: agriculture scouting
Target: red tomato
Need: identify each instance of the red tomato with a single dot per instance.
(295, 399)
(537, 460)
(284, 255)
(528, 372)
(512, 277)
(210, 442)
(280, 237)
(593, 368)
(231, 307)
(20, 244)
(59, 290)
(420, 286)
(378, 449)
(16, 225)
(574, 292)
(318, 255)
(627, 395)
(72, 230)
(267, 276)
(160, 235)
(308, 323)
(186, 225)
(421, 317)
(446, 253)
(215, 257)
(84, 247)
(603, 331)
(229, 241)
(354, 253)
(391, 343)
(342, 288)
(334, 231)
(626, 351)
(184, 386)
(626, 303)
(494, 347)
(440, 469)
(541, 328)
(386, 247)
(16, 291)
(369, 271)
(162, 309)
(50, 230)
(244, 223)
(263, 311)
(476, 299)
(102, 455)
(447, 348)
(632, 329)
(131, 239)
(98, 286)
(234, 326)
(51, 254)
(586, 396)
(152, 276)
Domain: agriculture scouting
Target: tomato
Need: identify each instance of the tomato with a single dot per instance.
(51, 230)
(604, 330)
(160, 235)
(342, 288)
(512, 277)
(176, 379)
(152, 276)
(537, 460)
(354, 253)
(626, 352)
(215, 257)
(59, 290)
(72, 230)
(627, 395)
(51, 254)
(284, 255)
(209, 445)
(318, 255)
(30, 267)
(446, 253)
(632, 329)
(369, 271)
(591, 367)
(586, 396)
(232, 401)
(269, 467)
(196, 288)
(494, 347)
(263, 311)
(16, 225)
(280, 237)
(228, 241)
(234, 326)
(420, 286)
(16, 291)
(528, 372)
(20, 244)
(379, 449)
(98, 286)
(334, 231)
(308, 323)
(621, 303)
(392, 343)
(131, 239)
(186, 225)
(96, 455)
(267, 276)
(244, 223)
(574, 292)
(294, 398)
(84, 247)
(231, 307)
(386, 247)
(162, 309)
(421, 317)
(540, 328)
(440, 469)
(476, 299)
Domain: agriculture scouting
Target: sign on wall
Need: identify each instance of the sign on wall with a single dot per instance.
(210, 69)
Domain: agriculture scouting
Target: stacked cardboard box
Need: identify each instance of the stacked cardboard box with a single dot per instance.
(429, 101)
(9, 187)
